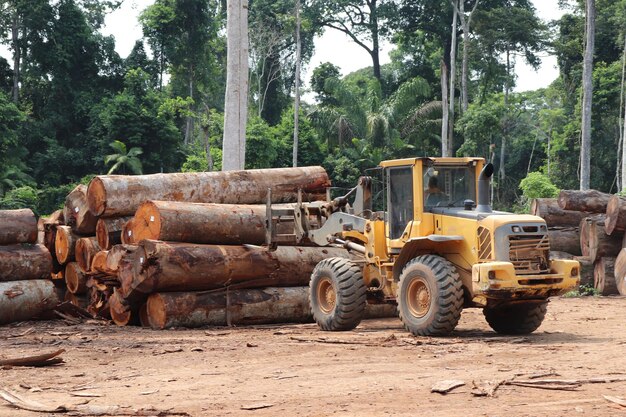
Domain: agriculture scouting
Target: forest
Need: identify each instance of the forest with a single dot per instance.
(72, 108)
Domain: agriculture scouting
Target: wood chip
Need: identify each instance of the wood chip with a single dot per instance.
(37, 360)
(149, 392)
(256, 406)
(444, 387)
(615, 400)
(85, 394)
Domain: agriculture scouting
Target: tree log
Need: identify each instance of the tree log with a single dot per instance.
(75, 278)
(117, 195)
(586, 271)
(65, 244)
(616, 216)
(121, 312)
(86, 249)
(18, 226)
(603, 276)
(99, 261)
(223, 224)
(591, 201)
(109, 231)
(50, 232)
(126, 236)
(81, 301)
(549, 210)
(565, 239)
(23, 300)
(76, 212)
(115, 255)
(159, 266)
(24, 262)
(594, 242)
(620, 272)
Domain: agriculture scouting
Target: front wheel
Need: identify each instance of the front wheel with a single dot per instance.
(337, 294)
(430, 296)
(516, 318)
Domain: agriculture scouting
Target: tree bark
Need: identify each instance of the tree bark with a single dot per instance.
(122, 313)
(115, 255)
(225, 224)
(23, 300)
(591, 201)
(623, 183)
(86, 249)
(49, 237)
(236, 100)
(586, 271)
(594, 242)
(24, 262)
(616, 215)
(65, 244)
(76, 212)
(565, 239)
(585, 147)
(466, 23)
(18, 226)
(603, 276)
(109, 231)
(75, 278)
(620, 272)
(445, 151)
(17, 51)
(452, 88)
(116, 195)
(549, 210)
(160, 266)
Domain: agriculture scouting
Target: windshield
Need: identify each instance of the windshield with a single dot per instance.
(446, 186)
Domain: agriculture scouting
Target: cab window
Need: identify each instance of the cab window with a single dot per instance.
(400, 186)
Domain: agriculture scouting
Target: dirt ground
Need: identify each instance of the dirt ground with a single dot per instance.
(296, 370)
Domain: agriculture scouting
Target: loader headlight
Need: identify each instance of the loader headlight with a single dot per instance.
(574, 272)
(517, 229)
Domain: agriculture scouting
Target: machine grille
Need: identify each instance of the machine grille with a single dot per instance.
(484, 244)
(529, 253)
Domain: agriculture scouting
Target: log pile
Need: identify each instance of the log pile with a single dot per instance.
(26, 290)
(169, 250)
(589, 226)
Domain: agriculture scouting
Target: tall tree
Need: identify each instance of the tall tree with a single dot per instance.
(447, 148)
(236, 101)
(296, 102)
(466, 23)
(585, 147)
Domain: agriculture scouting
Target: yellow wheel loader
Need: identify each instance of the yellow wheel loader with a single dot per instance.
(435, 248)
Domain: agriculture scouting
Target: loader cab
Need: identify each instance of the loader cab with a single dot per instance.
(418, 187)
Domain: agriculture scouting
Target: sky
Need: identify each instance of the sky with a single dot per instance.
(337, 48)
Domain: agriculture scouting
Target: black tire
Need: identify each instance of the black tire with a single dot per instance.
(337, 294)
(516, 318)
(430, 296)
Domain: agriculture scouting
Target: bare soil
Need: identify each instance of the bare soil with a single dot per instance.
(297, 370)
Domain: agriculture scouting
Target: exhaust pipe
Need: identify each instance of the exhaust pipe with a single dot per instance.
(483, 189)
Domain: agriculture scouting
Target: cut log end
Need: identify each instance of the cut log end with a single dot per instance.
(127, 233)
(156, 311)
(96, 197)
(603, 276)
(64, 244)
(75, 278)
(147, 222)
(120, 311)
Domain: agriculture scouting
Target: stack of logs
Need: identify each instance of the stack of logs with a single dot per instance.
(168, 250)
(25, 265)
(589, 226)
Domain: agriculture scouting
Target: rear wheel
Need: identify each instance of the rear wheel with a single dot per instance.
(516, 318)
(430, 296)
(337, 294)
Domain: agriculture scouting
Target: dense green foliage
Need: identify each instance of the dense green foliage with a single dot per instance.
(71, 107)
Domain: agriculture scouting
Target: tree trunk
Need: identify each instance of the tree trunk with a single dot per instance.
(623, 183)
(17, 59)
(24, 262)
(109, 231)
(586, 271)
(585, 147)
(565, 239)
(616, 215)
(23, 300)
(591, 201)
(549, 210)
(603, 276)
(452, 88)
(121, 312)
(466, 24)
(75, 278)
(126, 236)
(18, 226)
(224, 224)
(65, 244)
(115, 255)
(189, 122)
(159, 266)
(373, 23)
(594, 242)
(76, 212)
(296, 102)
(49, 237)
(115, 195)
(86, 249)
(445, 151)
(236, 100)
(99, 261)
(620, 272)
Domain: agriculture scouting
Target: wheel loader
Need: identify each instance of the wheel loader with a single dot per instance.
(435, 248)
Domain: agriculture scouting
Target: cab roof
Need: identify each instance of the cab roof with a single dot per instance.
(434, 160)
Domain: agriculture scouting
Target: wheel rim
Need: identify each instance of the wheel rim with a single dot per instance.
(326, 295)
(418, 297)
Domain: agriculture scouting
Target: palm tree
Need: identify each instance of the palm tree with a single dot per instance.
(123, 159)
(12, 176)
